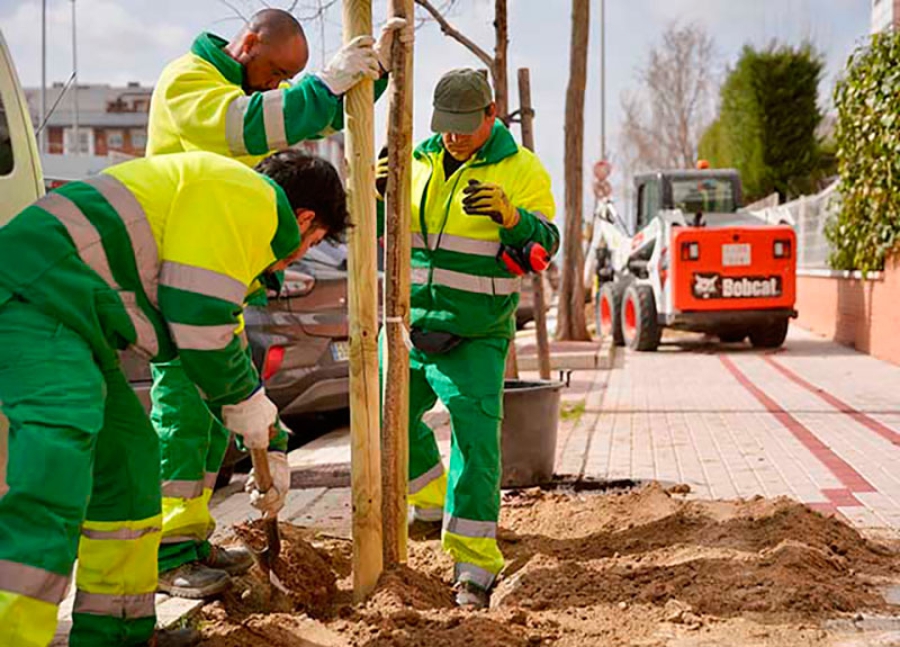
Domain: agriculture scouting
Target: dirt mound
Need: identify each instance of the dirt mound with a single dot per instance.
(725, 558)
(275, 630)
(405, 588)
(626, 568)
(305, 573)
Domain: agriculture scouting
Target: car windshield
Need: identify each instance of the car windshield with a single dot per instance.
(704, 195)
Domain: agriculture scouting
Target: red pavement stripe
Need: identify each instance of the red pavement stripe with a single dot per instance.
(841, 497)
(882, 430)
(849, 477)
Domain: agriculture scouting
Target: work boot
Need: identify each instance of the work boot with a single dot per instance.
(193, 581)
(420, 526)
(234, 560)
(472, 596)
(175, 638)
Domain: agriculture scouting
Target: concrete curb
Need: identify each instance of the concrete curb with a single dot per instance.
(600, 358)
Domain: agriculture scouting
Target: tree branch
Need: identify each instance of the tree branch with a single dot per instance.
(450, 31)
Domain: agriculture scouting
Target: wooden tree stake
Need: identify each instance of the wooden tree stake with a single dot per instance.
(363, 298)
(395, 432)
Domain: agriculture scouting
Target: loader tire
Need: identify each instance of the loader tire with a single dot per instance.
(609, 320)
(640, 327)
(770, 335)
(732, 336)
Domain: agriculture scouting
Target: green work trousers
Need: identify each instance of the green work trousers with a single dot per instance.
(193, 443)
(81, 464)
(469, 381)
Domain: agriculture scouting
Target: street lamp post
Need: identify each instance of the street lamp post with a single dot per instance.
(602, 79)
(43, 141)
(75, 137)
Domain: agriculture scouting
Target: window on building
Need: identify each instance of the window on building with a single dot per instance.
(6, 148)
(139, 139)
(115, 140)
(85, 141)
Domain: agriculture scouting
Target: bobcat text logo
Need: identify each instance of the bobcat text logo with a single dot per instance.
(714, 286)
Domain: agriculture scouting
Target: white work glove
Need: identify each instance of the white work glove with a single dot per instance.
(252, 419)
(272, 501)
(354, 62)
(392, 28)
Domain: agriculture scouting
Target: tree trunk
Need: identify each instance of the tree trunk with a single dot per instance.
(572, 325)
(501, 47)
(395, 419)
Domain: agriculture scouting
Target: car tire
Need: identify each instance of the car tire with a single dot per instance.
(732, 336)
(609, 312)
(770, 335)
(640, 327)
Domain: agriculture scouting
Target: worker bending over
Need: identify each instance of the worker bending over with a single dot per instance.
(156, 255)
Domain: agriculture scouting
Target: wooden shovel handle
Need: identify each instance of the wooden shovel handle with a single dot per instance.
(260, 460)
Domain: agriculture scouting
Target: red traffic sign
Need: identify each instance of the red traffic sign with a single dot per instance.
(602, 170)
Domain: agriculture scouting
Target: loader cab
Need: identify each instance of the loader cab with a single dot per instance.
(648, 189)
(21, 179)
(692, 192)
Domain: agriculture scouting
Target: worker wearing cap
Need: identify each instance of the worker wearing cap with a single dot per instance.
(473, 190)
(231, 98)
(155, 255)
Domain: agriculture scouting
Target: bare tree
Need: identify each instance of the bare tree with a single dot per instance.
(572, 324)
(665, 118)
(496, 64)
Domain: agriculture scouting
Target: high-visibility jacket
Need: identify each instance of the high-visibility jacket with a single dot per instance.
(157, 254)
(199, 104)
(458, 285)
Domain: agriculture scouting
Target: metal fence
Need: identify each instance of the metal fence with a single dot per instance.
(809, 214)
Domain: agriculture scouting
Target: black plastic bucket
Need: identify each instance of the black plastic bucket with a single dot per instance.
(528, 434)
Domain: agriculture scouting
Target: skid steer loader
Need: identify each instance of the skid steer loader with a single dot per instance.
(697, 262)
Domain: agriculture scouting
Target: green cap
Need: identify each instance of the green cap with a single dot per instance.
(459, 102)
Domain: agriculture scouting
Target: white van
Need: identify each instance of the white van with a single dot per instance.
(21, 179)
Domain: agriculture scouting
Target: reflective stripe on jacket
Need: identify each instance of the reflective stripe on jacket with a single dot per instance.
(458, 285)
(158, 254)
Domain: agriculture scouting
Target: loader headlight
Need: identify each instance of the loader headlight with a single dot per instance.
(782, 249)
(690, 251)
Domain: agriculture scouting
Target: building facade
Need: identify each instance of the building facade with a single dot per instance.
(885, 15)
(111, 120)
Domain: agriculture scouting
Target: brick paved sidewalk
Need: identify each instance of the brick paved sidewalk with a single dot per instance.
(814, 421)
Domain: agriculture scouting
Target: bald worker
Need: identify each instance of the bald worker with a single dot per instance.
(232, 98)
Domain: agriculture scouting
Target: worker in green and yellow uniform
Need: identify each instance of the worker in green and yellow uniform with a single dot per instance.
(231, 98)
(156, 255)
(474, 191)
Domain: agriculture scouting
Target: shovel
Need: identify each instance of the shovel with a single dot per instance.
(267, 556)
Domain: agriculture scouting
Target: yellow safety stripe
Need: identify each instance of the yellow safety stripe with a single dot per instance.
(32, 581)
(119, 606)
(202, 281)
(25, 621)
(417, 484)
(187, 519)
(478, 553)
(432, 495)
(489, 285)
(119, 567)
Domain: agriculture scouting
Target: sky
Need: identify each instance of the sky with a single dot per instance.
(132, 40)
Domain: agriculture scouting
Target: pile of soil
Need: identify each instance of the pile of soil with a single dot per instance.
(306, 579)
(633, 568)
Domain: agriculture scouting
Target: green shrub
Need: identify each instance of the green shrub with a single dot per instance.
(868, 151)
